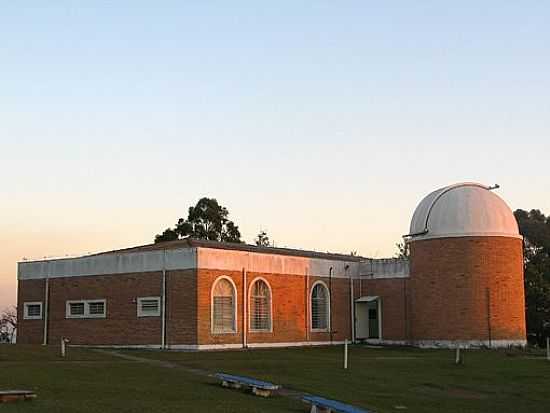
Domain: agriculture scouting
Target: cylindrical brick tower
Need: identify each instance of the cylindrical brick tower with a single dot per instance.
(466, 270)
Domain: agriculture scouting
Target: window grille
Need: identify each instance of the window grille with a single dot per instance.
(260, 307)
(32, 311)
(319, 307)
(148, 306)
(223, 307)
(86, 309)
(96, 308)
(77, 308)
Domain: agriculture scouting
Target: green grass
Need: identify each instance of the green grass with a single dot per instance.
(379, 379)
(91, 382)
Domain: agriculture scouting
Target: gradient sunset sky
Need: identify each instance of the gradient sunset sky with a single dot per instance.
(323, 123)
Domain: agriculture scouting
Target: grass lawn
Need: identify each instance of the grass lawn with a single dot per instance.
(383, 378)
(379, 379)
(91, 382)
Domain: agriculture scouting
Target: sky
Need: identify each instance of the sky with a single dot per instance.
(323, 123)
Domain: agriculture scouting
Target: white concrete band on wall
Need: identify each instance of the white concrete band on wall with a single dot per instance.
(469, 343)
(208, 258)
(107, 264)
(195, 347)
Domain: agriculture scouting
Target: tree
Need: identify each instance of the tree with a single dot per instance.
(535, 228)
(262, 240)
(403, 250)
(168, 235)
(207, 220)
(8, 322)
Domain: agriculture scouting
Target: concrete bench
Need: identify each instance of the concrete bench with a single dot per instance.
(258, 387)
(7, 396)
(322, 405)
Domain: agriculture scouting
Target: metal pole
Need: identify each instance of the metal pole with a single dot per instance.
(548, 348)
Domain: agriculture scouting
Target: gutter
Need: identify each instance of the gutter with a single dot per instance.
(46, 304)
(330, 301)
(163, 322)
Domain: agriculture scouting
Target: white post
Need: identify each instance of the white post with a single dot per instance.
(346, 353)
(548, 348)
(457, 357)
(63, 346)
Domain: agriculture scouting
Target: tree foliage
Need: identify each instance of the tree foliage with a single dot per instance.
(207, 220)
(8, 323)
(535, 228)
(402, 250)
(262, 240)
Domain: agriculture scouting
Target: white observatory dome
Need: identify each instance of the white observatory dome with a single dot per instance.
(461, 210)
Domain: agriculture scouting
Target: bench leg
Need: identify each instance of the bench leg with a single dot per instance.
(315, 409)
(261, 392)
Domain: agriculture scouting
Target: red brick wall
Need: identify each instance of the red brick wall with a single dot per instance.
(467, 288)
(121, 326)
(181, 307)
(30, 331)
(341, 307)
(393, 296)
(289, 305)
(205, 280)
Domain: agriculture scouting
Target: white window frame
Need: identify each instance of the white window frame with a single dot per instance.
(236, 323)
(26, 315)
(86, 308)
(319, 330)
(140, 312)
(253, 330)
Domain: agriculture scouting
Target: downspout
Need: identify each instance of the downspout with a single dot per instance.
(46, 304)
(245, 308)
(307, 304)
(489, 332)
(406, 311)
(163, 322)
(351, 303)
(330, 300)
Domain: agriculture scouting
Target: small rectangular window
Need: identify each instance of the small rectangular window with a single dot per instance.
(33, 311)
(96, 308)
(76, 309)
(148, 307)
(86, 309)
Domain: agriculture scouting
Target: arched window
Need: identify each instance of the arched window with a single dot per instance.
(320, 307)
(224, 306)
(260, 306)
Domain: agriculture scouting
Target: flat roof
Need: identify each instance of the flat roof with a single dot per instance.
(193, 243)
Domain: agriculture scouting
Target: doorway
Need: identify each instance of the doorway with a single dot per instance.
(368, 325)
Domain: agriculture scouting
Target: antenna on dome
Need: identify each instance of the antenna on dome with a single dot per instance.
(495, 186)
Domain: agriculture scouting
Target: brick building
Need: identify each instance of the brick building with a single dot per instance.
(462, 283)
